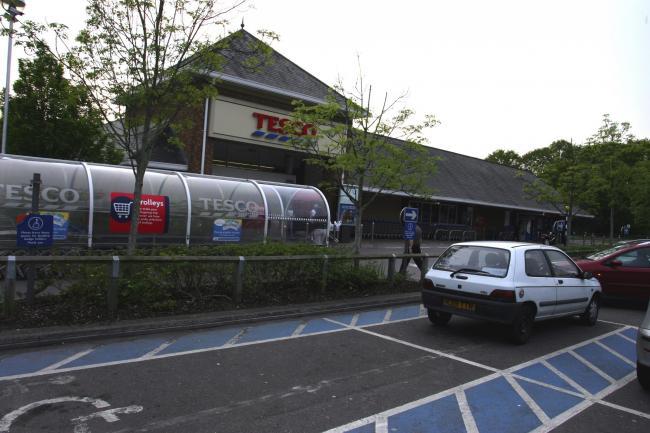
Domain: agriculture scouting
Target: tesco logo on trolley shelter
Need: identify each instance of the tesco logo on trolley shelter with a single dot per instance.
(272, 128)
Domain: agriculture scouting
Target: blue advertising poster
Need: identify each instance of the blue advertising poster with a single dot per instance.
(409, 231)
(35, 230)
(61, 224)
(347, 213)
(226, 230)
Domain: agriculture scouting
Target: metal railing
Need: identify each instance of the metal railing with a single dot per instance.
(10, 264)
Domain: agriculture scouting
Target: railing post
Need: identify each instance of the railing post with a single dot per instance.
(324, 274)
(239, 280)
(391, 267)
(425, 266)
(372, 232)
(113, 287)
(10, 286)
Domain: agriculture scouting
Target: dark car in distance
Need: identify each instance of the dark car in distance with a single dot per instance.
(623, 270)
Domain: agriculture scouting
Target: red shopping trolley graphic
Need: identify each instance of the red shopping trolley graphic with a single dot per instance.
(154, 213)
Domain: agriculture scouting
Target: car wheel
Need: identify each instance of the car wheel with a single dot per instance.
(522, 327)
(643, 375)
(439, 318)
(590, 316)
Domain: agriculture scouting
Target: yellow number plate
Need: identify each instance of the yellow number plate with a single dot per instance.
(460, 305)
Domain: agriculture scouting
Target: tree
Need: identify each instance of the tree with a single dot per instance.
(143, 62)
(50, 117)
(563, 179)
(358, 146)
(508, 158)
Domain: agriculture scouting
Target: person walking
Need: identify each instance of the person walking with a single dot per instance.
(412, 247)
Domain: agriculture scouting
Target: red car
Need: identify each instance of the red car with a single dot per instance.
(623, 271)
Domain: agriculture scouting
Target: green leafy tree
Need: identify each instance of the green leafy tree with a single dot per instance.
(508, 158)
(563, 179)
(366, 150)
(612, 151)
(50, 117)
(143, 63)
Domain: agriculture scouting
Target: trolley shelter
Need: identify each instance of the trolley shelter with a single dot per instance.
(91, 205)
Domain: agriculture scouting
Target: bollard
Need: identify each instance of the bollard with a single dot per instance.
(113, 287)
(324, 274)
(239, 280)
(372, 232)
(391, 268)
(10, 286)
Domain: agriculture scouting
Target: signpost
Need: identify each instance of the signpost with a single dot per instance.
(410, 218)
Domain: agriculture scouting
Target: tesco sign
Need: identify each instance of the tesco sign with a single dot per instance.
(272, 127)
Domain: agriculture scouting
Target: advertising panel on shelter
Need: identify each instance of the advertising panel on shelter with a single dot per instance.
(154, 213)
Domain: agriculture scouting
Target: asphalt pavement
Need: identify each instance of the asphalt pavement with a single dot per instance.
(367, 371)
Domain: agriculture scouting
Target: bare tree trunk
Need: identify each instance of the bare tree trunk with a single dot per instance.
(135, 211)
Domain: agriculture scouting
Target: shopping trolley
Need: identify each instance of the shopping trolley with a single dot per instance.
(123, 210)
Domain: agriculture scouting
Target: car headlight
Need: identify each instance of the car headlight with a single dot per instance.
(645, 334)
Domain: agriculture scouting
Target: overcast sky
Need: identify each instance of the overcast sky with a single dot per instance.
(497, 74)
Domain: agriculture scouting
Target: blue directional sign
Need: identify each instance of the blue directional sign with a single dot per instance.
(410, 214)
(35, 231)
(409, 231)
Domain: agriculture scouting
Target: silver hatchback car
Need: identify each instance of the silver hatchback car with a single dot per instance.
(643, 351)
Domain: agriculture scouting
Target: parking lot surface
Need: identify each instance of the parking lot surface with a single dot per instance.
(378, 371)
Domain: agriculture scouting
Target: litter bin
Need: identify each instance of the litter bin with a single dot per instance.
(347, 233)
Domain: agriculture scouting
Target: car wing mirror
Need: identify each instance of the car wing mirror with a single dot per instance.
(587, 275)
(614, 263)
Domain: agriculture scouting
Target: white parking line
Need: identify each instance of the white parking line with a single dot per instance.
(528, 399)
(631, 340)
(566, 378)
(158, 349)
(66, 361)
(616, 354)
(466, 412)
(389, 312)
(586, 362)
(299, 329)
(624, 409)
(417, 346)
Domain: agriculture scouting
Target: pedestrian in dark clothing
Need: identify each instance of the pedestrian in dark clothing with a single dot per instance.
(412, 247)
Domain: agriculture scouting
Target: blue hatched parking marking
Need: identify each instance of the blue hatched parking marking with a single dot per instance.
(552, 402)
(343, 318)
(541, 373)
(497, 408)
(117, 352)
(34, 361)
(621, 345)
(440, 416)
(368, 428)
(269, 331)
(320, 325)
(578, 372)
(402, 313)
(605, 361)
(371, 317)
(201, 340)
(630, 333)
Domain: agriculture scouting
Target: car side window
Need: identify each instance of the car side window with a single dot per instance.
(536, 264)
(639, 258)
(562, 265)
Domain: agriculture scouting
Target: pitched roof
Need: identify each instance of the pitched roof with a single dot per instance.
(465, 179)
(277, 74)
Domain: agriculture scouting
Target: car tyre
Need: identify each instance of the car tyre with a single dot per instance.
(439, 318)
(522, 326)
(590, 316)
(643, 375)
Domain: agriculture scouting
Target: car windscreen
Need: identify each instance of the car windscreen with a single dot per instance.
(475, 259)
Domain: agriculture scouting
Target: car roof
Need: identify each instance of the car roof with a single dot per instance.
(504, 244)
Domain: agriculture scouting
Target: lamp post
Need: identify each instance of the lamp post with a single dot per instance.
(13, 8)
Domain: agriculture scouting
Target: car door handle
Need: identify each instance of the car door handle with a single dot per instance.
(560, 281)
